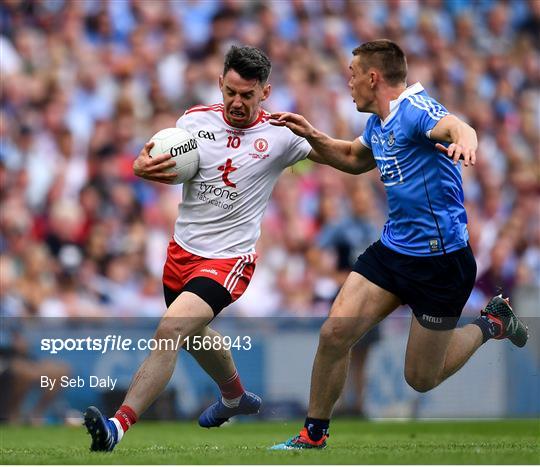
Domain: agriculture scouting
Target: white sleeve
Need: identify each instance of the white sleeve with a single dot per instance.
(189, 122)
(298, 149)
(364, 142)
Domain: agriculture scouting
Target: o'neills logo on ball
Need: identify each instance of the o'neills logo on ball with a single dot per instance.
(183, 148)
(260, 145)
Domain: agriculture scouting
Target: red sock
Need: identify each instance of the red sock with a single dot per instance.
(232, 388)
(126, 416)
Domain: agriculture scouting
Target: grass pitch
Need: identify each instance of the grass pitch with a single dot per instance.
(351, 442)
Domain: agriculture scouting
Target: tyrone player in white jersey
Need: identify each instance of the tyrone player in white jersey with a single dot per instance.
(211, 258)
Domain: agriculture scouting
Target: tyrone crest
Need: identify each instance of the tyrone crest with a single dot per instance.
(260, 145)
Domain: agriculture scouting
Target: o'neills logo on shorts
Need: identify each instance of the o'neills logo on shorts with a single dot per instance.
(183, 148)
(210, 271)
(432, 319)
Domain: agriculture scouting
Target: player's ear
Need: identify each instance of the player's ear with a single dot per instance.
(373, 78)
(220, 81)
(267, 88)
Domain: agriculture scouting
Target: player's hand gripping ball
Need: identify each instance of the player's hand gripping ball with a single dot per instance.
(182, 146)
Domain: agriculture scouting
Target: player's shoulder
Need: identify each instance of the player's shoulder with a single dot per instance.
(278, 131)
(374, 118)
(203, 110)
(421, 102)
(263, 119)
(199, 114)
(371, 122)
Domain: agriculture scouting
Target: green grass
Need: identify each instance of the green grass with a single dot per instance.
(352, 442)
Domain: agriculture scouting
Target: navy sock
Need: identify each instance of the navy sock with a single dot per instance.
(489, 328)
(316, 428)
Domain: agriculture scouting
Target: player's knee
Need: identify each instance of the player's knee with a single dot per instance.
(168, 329)
(419, 382)
(336, 335)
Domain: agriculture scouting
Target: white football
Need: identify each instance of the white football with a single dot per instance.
(182, 146)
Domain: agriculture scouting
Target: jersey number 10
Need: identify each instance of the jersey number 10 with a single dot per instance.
(233, 142)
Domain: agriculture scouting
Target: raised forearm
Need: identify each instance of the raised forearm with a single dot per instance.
(347, 156)
(460, 131)
(352, 157)
(460, 135)
(453, 130)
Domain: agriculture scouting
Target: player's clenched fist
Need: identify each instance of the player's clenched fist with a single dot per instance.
(153, 168)
(294, 122)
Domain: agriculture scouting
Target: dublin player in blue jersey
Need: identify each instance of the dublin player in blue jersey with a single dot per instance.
(423, 258)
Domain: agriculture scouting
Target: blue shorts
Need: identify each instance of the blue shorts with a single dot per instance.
(435, 287)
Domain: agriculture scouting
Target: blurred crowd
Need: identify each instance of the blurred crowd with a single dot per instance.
(85, 83)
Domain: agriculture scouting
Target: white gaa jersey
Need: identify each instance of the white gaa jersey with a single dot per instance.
(223, 205)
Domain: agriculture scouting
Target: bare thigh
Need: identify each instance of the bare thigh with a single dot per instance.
(359, 306)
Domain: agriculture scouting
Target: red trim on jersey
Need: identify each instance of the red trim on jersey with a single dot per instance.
(205, 108)
(232, 273)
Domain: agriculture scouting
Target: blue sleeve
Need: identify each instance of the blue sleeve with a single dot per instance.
(421, 116)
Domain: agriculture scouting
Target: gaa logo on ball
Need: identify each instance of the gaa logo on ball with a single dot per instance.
(260, 145)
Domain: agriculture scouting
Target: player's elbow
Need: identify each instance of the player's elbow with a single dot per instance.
(350, 167)
(356, 167)
(363, 167)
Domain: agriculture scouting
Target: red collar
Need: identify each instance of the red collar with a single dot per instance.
(252, 124)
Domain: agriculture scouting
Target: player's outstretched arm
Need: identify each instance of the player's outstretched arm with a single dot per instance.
(347, 156)
(153, 168)
(461, 136)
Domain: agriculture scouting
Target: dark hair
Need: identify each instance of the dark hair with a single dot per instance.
(248, 62)
(387, 57)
